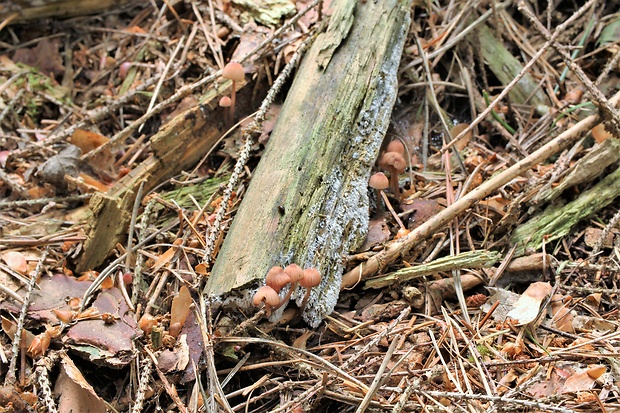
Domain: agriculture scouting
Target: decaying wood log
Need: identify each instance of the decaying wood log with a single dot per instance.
(177, 146)
(308, 202)
(24, 10)
(556, 221)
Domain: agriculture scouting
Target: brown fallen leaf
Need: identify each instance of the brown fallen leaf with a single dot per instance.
(179, 311)
(464, 141)
(74, 392)
(562, 316)
(300, 342)
(581, 381)
(528, 305)
(44, 56)
(16, 260)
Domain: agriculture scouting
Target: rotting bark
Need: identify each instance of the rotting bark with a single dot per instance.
(308, 202)
(177, 146)
(556, 222)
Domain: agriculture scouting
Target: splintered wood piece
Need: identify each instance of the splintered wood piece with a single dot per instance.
(308, 200)
(179, 145)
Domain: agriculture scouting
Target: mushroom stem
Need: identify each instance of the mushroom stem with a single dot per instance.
(312, 278)
(286, 297)
(233, 98)
(304, 302)
(393, 179)
(394, 214)
(379, 210)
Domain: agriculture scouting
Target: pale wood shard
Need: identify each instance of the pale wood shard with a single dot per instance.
(308, 202)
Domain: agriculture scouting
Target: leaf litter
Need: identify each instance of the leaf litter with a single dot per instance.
(134, 334)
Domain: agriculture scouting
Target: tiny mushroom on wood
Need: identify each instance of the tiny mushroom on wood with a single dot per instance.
(233, 71)
(395, 163)
(296, 273)
(312, 278)
(396, 146)
(267, 295)
(226, 102)
(379, 182)
(277, 278)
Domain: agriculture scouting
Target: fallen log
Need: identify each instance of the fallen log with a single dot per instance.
(308, 201)
(19, 11)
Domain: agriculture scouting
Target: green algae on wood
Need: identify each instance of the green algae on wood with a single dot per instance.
(506, 67)
(465, 260)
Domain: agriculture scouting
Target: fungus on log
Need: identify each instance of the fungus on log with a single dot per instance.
(308, 199)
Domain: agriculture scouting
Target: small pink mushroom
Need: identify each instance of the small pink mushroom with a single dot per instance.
(268, 296)
(233, 71)
(312, 278)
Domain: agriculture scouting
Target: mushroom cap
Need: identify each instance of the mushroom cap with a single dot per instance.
(394, 160)
(396, 146)
(312, 278)
(268, 295)
(277, 278)
(225, 101)
(295, 272)
(233, 71)
(378, 181)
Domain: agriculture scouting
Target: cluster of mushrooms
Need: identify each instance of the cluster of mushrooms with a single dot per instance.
(277, 278)
(393, 161)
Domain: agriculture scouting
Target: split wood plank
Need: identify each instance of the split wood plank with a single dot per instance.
(178, 145)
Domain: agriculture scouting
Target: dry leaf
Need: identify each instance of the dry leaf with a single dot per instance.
(496, 203)
(593, 301)
(87, 140)
(464, 141)
(44, 56)
(300, 342)
(74, 392)
(596, 371)
(562, 316)
(578, 382)
(528, 305)
(16, 260)
(4, 155)
(179, 310)
(201, 269)
(164, 258)
(504, 382)
(600, 134)
(378, 233)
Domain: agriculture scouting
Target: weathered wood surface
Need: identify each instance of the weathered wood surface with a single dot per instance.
(506, 67)
(465, 260)
(24, 10)
(308, 201)
(585, 169)
(557, 221)
(179, 145)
